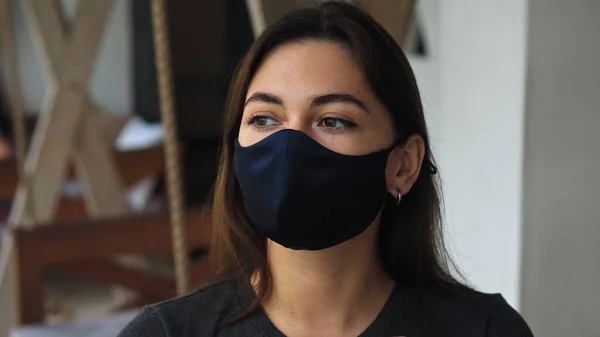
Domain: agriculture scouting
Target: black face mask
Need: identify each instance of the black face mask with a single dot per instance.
(302, 195)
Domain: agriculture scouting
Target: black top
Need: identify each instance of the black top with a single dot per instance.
(409, 312)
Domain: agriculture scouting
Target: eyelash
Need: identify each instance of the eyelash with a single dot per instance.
(346, 123)
(252, 121)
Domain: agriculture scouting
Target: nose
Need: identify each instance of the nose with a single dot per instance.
(300, 121)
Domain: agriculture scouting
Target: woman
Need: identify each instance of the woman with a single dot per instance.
(326, 208)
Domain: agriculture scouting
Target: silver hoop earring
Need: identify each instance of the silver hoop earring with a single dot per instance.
(399, 197)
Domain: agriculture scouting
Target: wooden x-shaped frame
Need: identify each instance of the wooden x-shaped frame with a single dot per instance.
(70, 127)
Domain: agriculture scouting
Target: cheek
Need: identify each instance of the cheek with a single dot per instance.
(340, 143)
(371, 138)
(361, 141)
(244, 136)
(247, 136)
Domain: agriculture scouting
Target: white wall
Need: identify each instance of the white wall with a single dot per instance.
(426, 68)
(482, 46)
(472, 83)
(561, 271)
(111, 83)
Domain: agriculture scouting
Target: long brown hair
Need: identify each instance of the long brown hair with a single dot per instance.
(410, 241)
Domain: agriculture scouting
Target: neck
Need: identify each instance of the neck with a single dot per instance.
(342, 288)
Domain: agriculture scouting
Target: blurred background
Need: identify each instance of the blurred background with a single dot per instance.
(511, 91)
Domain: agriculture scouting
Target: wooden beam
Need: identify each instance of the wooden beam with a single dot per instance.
(71, 209)
(54, 244)
(101, 238)
(133, 166)
(97, 172)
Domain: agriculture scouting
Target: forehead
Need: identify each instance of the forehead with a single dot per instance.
(309, 67)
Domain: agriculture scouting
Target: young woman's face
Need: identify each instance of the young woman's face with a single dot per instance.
(316, 87)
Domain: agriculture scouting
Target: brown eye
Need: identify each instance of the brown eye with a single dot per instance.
(336, 123)
(262, 121)
(330, 123)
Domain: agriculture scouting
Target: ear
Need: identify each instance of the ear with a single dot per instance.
(404, 165)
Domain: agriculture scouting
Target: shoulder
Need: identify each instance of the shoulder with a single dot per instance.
(464, 314)
(197, 314)
(210, 300)
(506, 321)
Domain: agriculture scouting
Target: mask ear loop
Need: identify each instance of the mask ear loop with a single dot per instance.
(430, 168)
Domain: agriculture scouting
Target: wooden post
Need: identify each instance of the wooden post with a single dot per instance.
(396, 16)
(265, 12)
(8, 309)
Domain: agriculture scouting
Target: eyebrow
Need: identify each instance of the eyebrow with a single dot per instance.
(265, 98)
(339, 98)
(317, 101)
